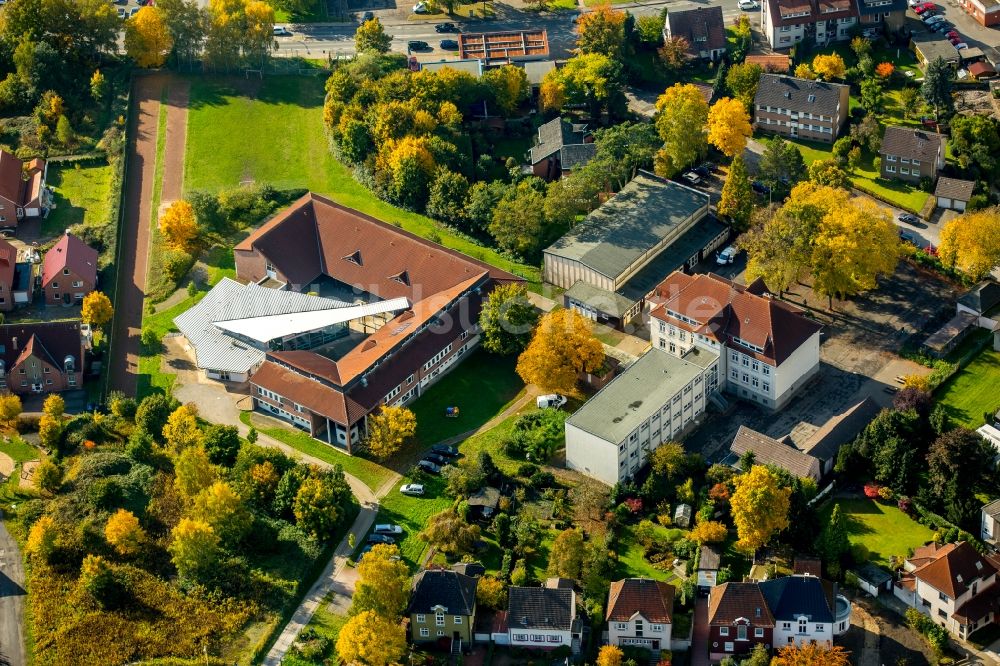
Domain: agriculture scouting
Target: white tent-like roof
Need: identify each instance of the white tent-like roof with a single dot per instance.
(258, 315)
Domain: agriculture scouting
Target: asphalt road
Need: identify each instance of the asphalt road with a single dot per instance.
(12, 597)
(337, 39)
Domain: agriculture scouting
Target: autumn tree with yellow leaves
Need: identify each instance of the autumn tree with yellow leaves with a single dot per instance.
(389, 430)
(222, 508)
(181, 430)
(384, 583)
(759, 507)
(147, 38)
(811, 654)
(194, 547)
(124, 533)
(179, 227)
(193, 471)
(971, 242)
(561, 347)
(682, 113)
(729, 126)
(610, 655)
(829, 67)
(709, 531)
(368, 639)
(602, 31)
(96, 309)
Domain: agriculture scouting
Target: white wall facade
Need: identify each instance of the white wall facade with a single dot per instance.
(801, 631)
(625, 633)
(939, 606)
(989, 528)
(796, 370)
(539, 638)
(591, 455)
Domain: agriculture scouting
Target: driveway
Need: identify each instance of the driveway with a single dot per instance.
(699, 641)
(12, 597)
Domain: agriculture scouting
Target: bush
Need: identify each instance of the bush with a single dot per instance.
(527, 470)
(537, 435)
(540, 480)
(28, 423)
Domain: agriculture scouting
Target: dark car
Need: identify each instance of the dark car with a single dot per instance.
(436, 459)
(417, 45)
(760, 188)
(908, 218)
(367, 16)
(449, 45)
(446, 27)
(943, 26)
(444, 450)
(428, 466)
(702, 171)
(380, 538)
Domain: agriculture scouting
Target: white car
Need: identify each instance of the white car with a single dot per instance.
(387, 528)
(726, 257)
(281, 31)
(961, 46)
(551, 400)
(412, 489)
(420, 8)
(747, 5)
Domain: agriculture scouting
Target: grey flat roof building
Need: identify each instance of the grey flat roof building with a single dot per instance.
(618, 408)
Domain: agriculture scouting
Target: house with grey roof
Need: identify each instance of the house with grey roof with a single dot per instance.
(562, 147)
(980, 299)
(702, 28)
(233, 327)
(954, 193)
(769, 451)
(910, 154)
(929, 46)
(613, 260)
(442, 607)
(543, 618)
(801, 108)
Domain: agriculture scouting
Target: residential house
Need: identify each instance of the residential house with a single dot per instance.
(709, 562)
(807, 566)
(562, 147)
(981, 300)
(928, 47)
(442, 606)
(982, 70)
(780, 611)
(911, 154)
(989, 530)
(46, 357)
(612, 261)
(69, 271)
(542, 618)
(881, 15)
(23, 193)
(484, 502)
(702, 28)
(330, 387)
(773, 63)
(639, 613)
(800, 108)
(954, 193)
(788, 22)
(8, 265)
(953, 584)
(709, 335)
(503, 48)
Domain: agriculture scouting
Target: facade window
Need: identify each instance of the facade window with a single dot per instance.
(904, 160)
(890, 158)
(735, 374)
(673, 348)
(55, 285)
(904, 171)
(663, 327)
(425, 632)
(766, 387)
(746, 362)
(409, 380)
(758, 632)
(78, 283)
(755, 382)
(457, 619)
(658, 628)
(622, 626)
(803, 627)
(943, 597)
(741, 632)
(723, 631)
(439, 619)
(746, 378)
(890, 169)
(819, 627)
(766, 370)
(65, 271)
(729, 647)
(421, 617)
(942, 614)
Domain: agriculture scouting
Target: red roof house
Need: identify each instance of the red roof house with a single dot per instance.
(22, 189)
(69, 271)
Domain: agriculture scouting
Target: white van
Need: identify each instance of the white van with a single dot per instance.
(552, 400)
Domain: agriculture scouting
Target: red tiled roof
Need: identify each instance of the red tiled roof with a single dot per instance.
(11, 177)
(731, 601)
(811, 566)
(8, 260)
(308, 392)
(726, 310)
(953, 570)
(652, 599)
(979, 606)
(72, 253)
(316, 236)
(776, 63)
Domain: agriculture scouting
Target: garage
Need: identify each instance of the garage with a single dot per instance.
(953, 194)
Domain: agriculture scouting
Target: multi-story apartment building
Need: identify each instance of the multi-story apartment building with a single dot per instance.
(442, 606)
(639, 613)
(319, 246)
(952, 584)
(788, 22)
(800, 108)
(911, 154)
(708, 335)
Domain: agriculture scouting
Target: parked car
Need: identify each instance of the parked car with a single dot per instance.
(449, 45)
(417, 45)
(702, 171)
(364, 551)
(428, 466)
(387, 528)
(910, 237)
(412, 489)
(445, 450)
(759, 187)
(367, 16)
(913, 3)
(692, 178)
(929, 5)
(121, 12)
(727, 256)
(420, 8)
(132, 12)
(446, 27)
(961, 46)
(281, 31)
(380, 538)
(552, 400)
(932, 18)
(908, 218)
(871, 33)
(747, 5)
(942, 26)
(436, 459)
(953, 34)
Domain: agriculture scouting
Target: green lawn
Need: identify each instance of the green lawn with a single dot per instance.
(327, 624)
(412, 513)
(370, 473)
(971, 392)
(151, 378)
(865, 178)
(880, 527)
(480, 387)
(272, 132)
(19, 450)
(632, 562)
(80, 196)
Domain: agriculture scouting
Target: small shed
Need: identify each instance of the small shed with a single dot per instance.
(873, 579)
(682, 516)
(953, 193)
(982, 70)
(483, 503)
(709, 561)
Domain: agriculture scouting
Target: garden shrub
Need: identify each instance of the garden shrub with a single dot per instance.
(537, 435)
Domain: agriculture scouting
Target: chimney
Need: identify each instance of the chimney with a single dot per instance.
(14, 343)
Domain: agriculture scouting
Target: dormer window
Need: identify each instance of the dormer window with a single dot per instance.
(354, 257)
(812, 98)
(402, 278)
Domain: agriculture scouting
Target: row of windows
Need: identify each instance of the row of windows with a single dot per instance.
(77, 284)
(764, 368)
(538, 638)
(748, 379)
(820, 129)
(741, 632)
(271, 395)
(437, 357)
(686, 320)
(425, 632)
(903, 171)
(903, 160)
(623, 626)
(789, 112)
(439, 619)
